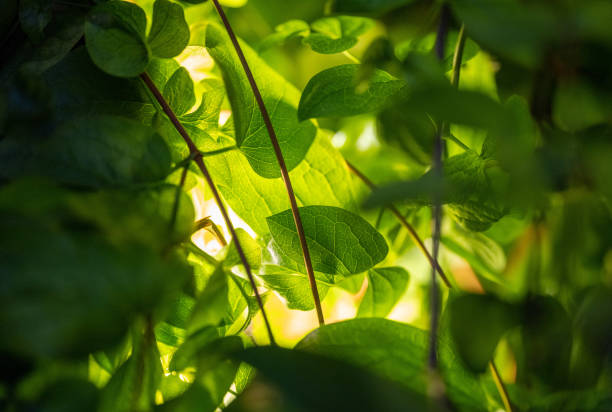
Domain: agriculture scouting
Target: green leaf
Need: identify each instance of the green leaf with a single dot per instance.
(283, 32)
(477, 323)
(376, 7)
(115, 38)
(547, 325)
(79, 87)
(95, 152)
(337, 385)
(179, 93)
(397, 352)
(34, 15)
(169, 34)
(334, 93)
(216, 372)
(484, 255)
(339, 241)
(250, 247)
(133, 386)
(385, 287)
(294, 287)
(322, 178)
(336, 34)
(210, 307)
(471, 186)
(514, 30)
(60, 36)
(69, 292)
(280, 98)
(573, 401)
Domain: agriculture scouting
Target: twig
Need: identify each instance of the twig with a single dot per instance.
(281, 161)
(200, 162)
(413, 234)
(437, 209)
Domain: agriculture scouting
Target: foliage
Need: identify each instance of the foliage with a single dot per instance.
(126, 286)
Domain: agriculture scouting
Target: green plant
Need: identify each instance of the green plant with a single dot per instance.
(459, 167)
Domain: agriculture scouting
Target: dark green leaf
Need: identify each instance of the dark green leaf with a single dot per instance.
(385, 287)
(397, 352)
(96, 152)
(547, 325)
(34, 15)
(115, 38)
(169, 34)
(477, 323)
(337, 385)
(339, 241)
(334, 92)
(376, 7)
(280, 98)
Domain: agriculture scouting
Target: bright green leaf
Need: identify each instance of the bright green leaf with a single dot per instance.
(334, 93)
(178, 92)
(211, 305)
(339, 241)
(385, 287)
(294, 287)
(169, 34)
(280, 98)
(322, 178)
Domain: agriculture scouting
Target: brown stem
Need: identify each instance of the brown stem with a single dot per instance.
(413, 234)
(281, 161)
(197, 157)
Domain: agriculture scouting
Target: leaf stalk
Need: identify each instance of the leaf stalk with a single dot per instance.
(199, 160)
(279, 157)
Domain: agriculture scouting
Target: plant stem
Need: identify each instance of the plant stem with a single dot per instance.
(503, 393)
(413, 234)
(281, 161)
(202, 166)
(437, 201)
(177, 199)
(458, 56)
(352, 58)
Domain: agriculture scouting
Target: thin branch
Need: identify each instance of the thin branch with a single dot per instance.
(437, 201)
(177, 199)
(281, 161)
(413, 234)
(503, 393)
(200, 162)
(458, 56)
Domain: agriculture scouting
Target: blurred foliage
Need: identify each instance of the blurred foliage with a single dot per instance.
(123, 291)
